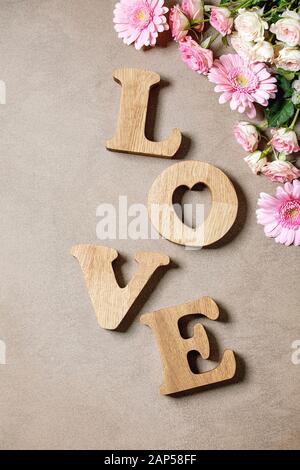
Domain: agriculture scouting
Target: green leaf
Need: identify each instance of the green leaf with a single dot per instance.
(282, 156)
(279, 112)
(284, 73)
(225, 41)
(298, 75)
(205, 44)
(283, 3)
(285, 86)
(274, 17)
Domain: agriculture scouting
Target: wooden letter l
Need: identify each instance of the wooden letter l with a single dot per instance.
(130, 133)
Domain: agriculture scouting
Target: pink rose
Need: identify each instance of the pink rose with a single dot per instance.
(260, 51)
(247, 136)
(179, 23)
(287, 29)
(289, 59)
(196, 57)
(243, 48)
(250, 25)
(296, 85)
(285, 140)
(256, 162)
(194, 10)
(280, 171)
(221, 20)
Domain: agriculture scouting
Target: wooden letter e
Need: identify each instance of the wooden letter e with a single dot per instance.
(174, 349)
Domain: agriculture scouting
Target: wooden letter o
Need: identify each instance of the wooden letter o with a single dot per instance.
(223, 211)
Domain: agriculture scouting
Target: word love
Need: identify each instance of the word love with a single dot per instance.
(111, 302)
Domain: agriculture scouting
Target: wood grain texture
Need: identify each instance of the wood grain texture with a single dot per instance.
(111, 302)
(174, 349)
(130, 133)
(223, 211)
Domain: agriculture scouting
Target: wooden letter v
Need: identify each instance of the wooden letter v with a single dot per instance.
(111, 302)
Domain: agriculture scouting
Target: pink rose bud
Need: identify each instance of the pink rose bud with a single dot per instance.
(287, 29)
(288, 59)
(255, 162)
(179, 23)
(196, 57)
(194, 10)
(281, 171)
(296, 85)
(285, 140)
(247, 136)
(296, 98)
(221, 20)
(250, 25)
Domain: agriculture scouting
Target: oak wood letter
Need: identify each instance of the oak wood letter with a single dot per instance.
(174, 349)
(130, 133)
(111, 302)
(188, 173)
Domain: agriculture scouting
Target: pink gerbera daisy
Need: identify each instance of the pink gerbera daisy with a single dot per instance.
(242, 83)
(281, 214)
(140, 21)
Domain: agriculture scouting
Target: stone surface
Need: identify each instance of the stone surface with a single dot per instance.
(67, 383)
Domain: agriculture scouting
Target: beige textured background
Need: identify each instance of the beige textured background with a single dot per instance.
(67, 383)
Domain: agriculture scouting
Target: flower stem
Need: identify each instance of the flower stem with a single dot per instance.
(290, 4)
(262, 126)
(242, 5)
(195, 36)
(214, 38)
(266, 152)
(295, 119)
(198, 22)
(271, 38)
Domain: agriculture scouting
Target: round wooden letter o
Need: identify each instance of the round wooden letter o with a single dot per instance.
(223, 211)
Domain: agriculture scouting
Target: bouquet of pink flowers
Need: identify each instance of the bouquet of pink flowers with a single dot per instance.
(264, 69)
